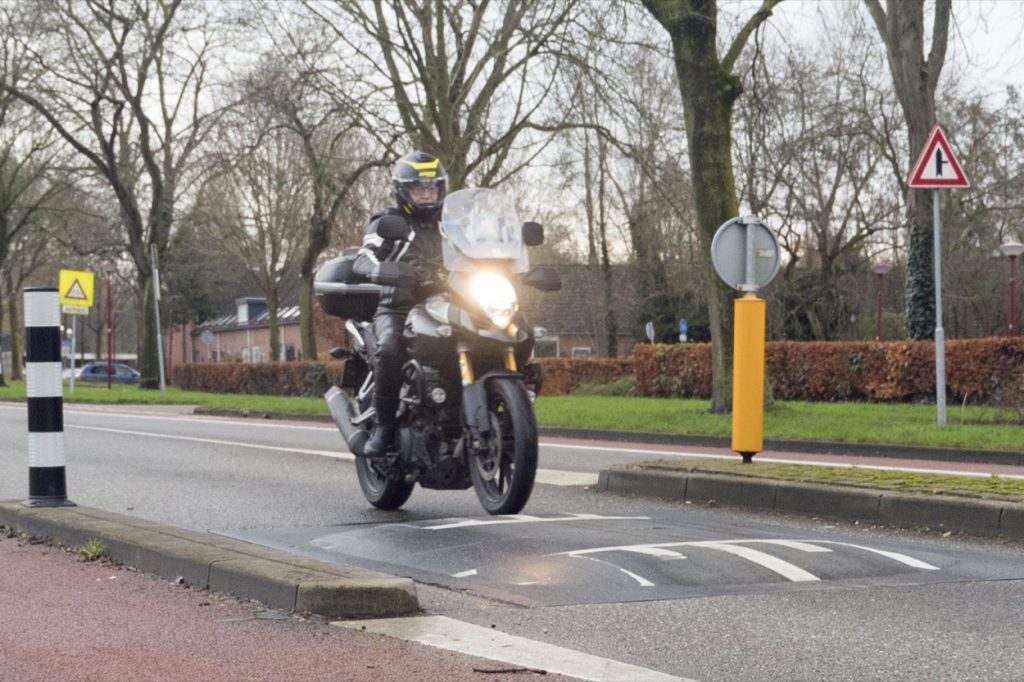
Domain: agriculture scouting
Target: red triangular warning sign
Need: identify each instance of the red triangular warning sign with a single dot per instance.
(76, 292)
(937, 167)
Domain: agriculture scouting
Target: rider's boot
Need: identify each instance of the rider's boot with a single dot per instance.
(384, 431)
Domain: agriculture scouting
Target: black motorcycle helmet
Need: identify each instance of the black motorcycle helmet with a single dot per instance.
(419, 169)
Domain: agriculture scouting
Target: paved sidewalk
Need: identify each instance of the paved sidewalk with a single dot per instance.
(66, 619)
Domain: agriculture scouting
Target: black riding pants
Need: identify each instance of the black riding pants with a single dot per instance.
(388, 324)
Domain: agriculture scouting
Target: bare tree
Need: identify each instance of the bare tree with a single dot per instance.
(309, 94)
(901, 24)
(466, 79)
(817, 172)
(122, 82)
(709, 88)
(258, 201)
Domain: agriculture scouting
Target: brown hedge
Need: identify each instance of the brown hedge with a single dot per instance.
(983, 370)
(271, 378)
(314, 378)
(562, 376)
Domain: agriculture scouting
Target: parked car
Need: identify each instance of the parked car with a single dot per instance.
(97, 371)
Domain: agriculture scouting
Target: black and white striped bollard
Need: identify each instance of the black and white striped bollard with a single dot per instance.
(47, 486)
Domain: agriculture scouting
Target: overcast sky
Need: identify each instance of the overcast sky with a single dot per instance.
(986, 37)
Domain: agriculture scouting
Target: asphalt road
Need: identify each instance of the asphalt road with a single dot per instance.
(695, 591)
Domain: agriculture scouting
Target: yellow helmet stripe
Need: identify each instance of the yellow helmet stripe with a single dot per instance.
(423, 165)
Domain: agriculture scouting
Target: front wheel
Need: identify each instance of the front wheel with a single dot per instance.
(503, 473)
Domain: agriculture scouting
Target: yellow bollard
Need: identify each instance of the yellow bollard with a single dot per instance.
(748, 376)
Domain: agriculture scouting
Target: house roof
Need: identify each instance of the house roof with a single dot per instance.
(578, 308)
(287, 315)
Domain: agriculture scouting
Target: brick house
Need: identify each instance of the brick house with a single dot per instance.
(244, 336)
(574, 319)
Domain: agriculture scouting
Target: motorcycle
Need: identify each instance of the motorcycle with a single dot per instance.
(465, 415)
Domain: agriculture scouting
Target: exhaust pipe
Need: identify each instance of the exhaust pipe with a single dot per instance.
(341, 411)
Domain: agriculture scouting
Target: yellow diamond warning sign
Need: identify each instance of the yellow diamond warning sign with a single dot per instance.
(76, 288)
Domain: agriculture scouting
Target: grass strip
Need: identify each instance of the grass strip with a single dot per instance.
(968, 427)
(119, 394)
(987, 487)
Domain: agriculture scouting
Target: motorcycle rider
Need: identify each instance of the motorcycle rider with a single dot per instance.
(419, 182)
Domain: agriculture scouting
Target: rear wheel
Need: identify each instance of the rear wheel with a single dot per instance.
(504, 472)
(381, 478)
(383, 483)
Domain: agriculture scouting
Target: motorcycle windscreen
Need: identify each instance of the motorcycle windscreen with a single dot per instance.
(481, 224)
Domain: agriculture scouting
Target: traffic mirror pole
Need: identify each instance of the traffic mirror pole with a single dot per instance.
(748, 376)
(745, 254)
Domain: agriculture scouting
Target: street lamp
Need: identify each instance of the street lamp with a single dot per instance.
(108, 269)
(1012, 249)
(880, 270)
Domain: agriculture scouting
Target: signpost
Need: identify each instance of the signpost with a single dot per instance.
(937, 168)
(76, 297)
(745, 254)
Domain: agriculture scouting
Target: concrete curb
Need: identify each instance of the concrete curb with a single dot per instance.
(975, 516)
(223, 564)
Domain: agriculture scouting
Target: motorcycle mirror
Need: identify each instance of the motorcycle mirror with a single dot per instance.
(393, 227)
(543, 279)
(533, 234)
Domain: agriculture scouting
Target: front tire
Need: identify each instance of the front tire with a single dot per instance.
(503, 475)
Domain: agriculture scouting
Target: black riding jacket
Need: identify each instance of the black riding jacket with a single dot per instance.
(421, 250)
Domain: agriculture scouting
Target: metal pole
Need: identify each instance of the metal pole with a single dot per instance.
(71, 390)
(1013, 295)
(110, 332)
(156, 311)
(940, 340)
(878, 308)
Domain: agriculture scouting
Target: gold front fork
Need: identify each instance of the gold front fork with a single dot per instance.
(510, 361)
(465, 368)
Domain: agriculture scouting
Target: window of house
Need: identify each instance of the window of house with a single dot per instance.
(581, 352)
(289, 352)
(546, 348)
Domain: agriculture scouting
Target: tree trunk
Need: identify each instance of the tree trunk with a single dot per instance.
(16, 332)
(708, 96)
(915, 76)
(148, 345)
(709, 90)
(274, 331)
(307, 329)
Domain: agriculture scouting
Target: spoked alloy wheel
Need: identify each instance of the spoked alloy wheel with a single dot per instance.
(503, 475)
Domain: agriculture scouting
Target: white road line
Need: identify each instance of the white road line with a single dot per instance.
(214, 441)
(567, 478)
(659, 552)
(792, 544)
(787, 570)
(465, 574)
(454, 635)
(544, 476)
(570, 478)
(777, 460)
(895, 556)
(526, 518)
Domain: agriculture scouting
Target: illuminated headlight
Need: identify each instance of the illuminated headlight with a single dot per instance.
(496, 296)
